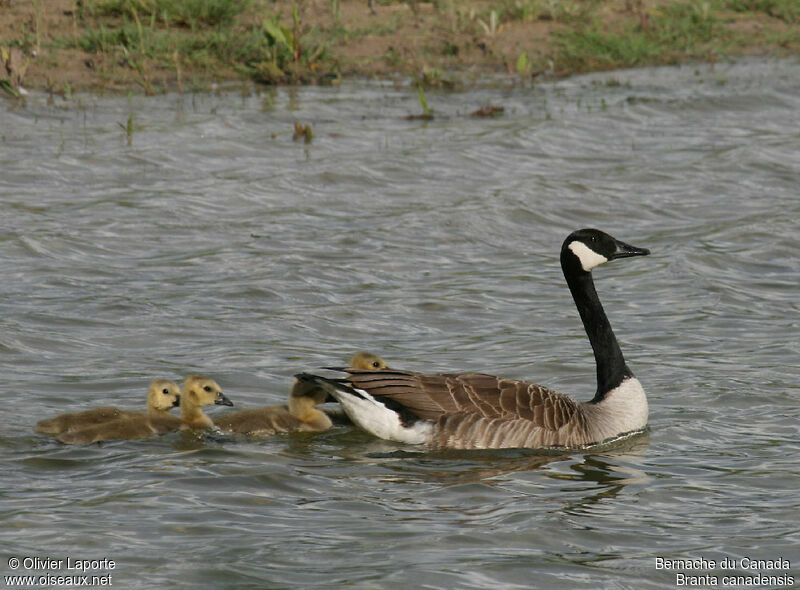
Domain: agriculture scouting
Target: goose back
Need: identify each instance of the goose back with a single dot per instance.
(128, 428)
(267, 421)
(70, 422)
(475, 410)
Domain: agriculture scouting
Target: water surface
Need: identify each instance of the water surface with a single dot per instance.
(213, 243)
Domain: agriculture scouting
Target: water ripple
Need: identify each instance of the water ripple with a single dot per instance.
(215, 244)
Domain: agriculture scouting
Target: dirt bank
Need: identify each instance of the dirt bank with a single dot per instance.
(153, 45)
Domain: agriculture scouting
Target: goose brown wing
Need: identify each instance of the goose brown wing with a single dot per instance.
(487, 396)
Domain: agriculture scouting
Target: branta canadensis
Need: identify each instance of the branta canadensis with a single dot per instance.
(197, 392)
(367, 361)
(162, 396)
(300, 414)
(473, 411)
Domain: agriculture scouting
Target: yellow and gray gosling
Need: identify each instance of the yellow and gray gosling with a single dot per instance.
(162, 396)
(197, 392)
(131, 426)
(300, 414)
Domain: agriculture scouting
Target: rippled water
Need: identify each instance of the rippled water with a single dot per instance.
(216, 244)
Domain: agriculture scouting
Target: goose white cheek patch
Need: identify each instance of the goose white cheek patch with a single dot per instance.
(588, 257)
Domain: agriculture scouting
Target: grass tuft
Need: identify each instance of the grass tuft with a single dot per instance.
(208, 35)
(677, 30)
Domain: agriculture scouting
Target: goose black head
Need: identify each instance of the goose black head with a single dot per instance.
(587, 248)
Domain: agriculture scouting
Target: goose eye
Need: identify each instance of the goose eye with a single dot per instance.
(165, 391)
(207, 388)
(376, 364)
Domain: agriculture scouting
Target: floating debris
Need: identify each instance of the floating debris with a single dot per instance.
(420, 117)
(303, 131)
(488, 111)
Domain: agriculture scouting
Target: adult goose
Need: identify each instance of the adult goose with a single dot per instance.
(477, 411)
(300, 414)
(162, 396)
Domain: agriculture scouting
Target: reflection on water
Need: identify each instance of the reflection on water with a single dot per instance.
(215, 244)
(454, 467)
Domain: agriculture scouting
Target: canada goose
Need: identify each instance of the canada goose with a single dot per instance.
(300, 414)
(367, 361)
(161, 398)
(472, 411)
(197, 392)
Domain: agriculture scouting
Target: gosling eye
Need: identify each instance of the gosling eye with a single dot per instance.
(207, 388)
(376, 364)
(165, 391)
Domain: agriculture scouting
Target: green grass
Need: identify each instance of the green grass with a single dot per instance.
(685, 26)
(207, 35)
(211, 39)
(785, 10)
(563, 11)
(588, 49)
(193, 14)
(677, 30)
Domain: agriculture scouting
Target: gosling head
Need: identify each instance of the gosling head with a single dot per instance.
(367, 361)
(163, 395)
(202, 391)
(360, 361)
(586, 248)
(306, 393)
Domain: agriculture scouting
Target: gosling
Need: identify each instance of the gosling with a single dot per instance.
(161, 398)
(299, 415)
(197, 392)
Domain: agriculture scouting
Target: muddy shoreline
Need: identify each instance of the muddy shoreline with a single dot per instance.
(149, 46)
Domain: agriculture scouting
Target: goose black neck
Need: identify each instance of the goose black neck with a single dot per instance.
(611, 367)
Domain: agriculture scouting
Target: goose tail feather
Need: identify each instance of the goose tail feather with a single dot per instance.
(378, 416)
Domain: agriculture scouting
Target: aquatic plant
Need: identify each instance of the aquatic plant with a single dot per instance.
(127, 127)
(423, 101)
(524, 67)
